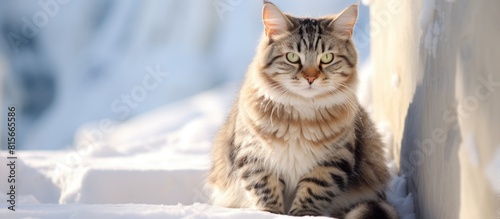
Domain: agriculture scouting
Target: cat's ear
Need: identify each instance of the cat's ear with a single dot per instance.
(343, 24)
(275, 22)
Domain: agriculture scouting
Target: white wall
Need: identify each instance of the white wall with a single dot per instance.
(432, 63)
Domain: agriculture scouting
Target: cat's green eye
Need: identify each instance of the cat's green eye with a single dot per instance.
(292, 57)
(327, 58)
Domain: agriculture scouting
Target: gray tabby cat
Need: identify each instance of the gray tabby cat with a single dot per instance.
(296, 140)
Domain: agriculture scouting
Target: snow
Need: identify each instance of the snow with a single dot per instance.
(472, 151)
(398, 196)
(432, 38)
(430, 27)
(427, 14)
(133, 211)
(153, 171)
(365, 85)
(493, 170)
(366, 2)
(395, 81)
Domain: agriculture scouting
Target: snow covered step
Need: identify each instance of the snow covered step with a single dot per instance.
(108, 186)
(133, 211)
(154, 178)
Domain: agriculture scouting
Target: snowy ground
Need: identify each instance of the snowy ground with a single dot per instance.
(155, 171)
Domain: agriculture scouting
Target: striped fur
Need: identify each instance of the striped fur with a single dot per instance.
(292, 146)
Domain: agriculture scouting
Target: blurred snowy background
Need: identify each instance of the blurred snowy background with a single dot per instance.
(68, 64)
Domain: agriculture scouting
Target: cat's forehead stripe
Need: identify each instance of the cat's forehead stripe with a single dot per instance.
(310, 31)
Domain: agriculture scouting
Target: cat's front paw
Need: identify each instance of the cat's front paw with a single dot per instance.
(304, 212)
(274, 211)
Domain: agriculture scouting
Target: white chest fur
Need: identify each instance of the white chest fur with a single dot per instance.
(294, 160)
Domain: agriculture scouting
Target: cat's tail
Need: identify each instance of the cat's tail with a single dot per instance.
(372, 210)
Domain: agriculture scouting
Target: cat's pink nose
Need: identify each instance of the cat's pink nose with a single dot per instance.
(311, 74)
(310, 79)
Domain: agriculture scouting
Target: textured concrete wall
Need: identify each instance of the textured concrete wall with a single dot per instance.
(437, 83)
